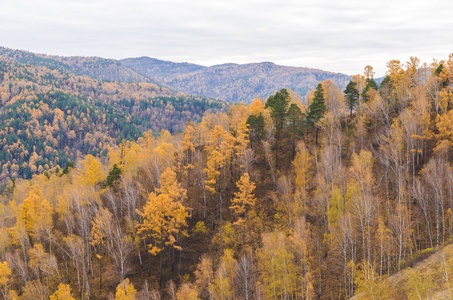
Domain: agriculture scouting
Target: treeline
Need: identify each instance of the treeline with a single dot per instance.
(274, 200)
(50, 117)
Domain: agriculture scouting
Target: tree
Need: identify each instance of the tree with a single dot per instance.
(302, 165)
(278, 103)
(277, 271)
(370, 84)
(188, 146)
(36, 213)
(243, 202)
(222, 286)
(91, 172)
(317, 107)
(187, 292)
(352, 95)
(113, 176)
(5, 275)
(164, 216)
(62, 293)
(256, 124)
(295, 118)
(125, 291)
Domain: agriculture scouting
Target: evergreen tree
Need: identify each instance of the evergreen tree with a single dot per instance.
(317, 107)
(278, 103)
(295, 118)
(256, 127)
(351, 93)
(370, 83)
(113, 176)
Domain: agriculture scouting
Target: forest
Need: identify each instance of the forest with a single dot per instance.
(322, 198)
(51, 116)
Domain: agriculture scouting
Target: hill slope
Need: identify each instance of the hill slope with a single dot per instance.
(233, 82)
(50, 115)
(229, 82)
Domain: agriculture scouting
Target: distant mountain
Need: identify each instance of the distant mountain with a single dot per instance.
(232, 82)
(229, 82)
(160, 69)
(95, 67)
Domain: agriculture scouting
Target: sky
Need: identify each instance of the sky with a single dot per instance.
(340, 36)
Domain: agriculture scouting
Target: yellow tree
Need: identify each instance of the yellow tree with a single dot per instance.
(91, 172)
(360, 198)
(220, 148)
(100, 233)
(302, 165)
(188, 146)
(256, 107)
(370, 285)
(5, 275)
(243, 202)
(42, 262)
(187, 292)
(62, 293)
(300, 238)
(222, 286)
(445, 126)
(36, 214)
(239, 129)
(125, 291)
(277, 270)
(163, 217)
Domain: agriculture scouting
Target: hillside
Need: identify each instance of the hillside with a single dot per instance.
(233, 82)
(95, 67)
(429, 277)
(50, 114)
(229, 82)
(269, 200)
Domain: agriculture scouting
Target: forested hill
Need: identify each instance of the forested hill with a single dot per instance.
(95, 67)
(50, 113)
(229, 82)
(337, 198)
(233, 82)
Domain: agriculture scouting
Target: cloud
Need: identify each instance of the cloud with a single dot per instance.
(341, 36)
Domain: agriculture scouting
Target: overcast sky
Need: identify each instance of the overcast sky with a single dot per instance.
(340, 35)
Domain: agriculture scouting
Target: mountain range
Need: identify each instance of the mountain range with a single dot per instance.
(232, 82)
(229, 82)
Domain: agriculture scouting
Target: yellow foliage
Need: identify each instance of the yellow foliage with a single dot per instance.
(244, 200)
(256, 107)
(163, 218)
(187, 292)
(125, 291)
(170, 186)
(277, 270)
(36, 213)
(222, 286)
(62, 293)
(445, 126)
(91, 172)
(5, 274)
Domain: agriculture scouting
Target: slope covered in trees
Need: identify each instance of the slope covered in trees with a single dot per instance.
(95, 67)
(274, 200)
(49, 116)
(229, 82)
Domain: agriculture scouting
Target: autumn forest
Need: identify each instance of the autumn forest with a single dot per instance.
(129, 190)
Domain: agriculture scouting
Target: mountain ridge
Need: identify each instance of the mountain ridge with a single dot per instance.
(234, 82)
